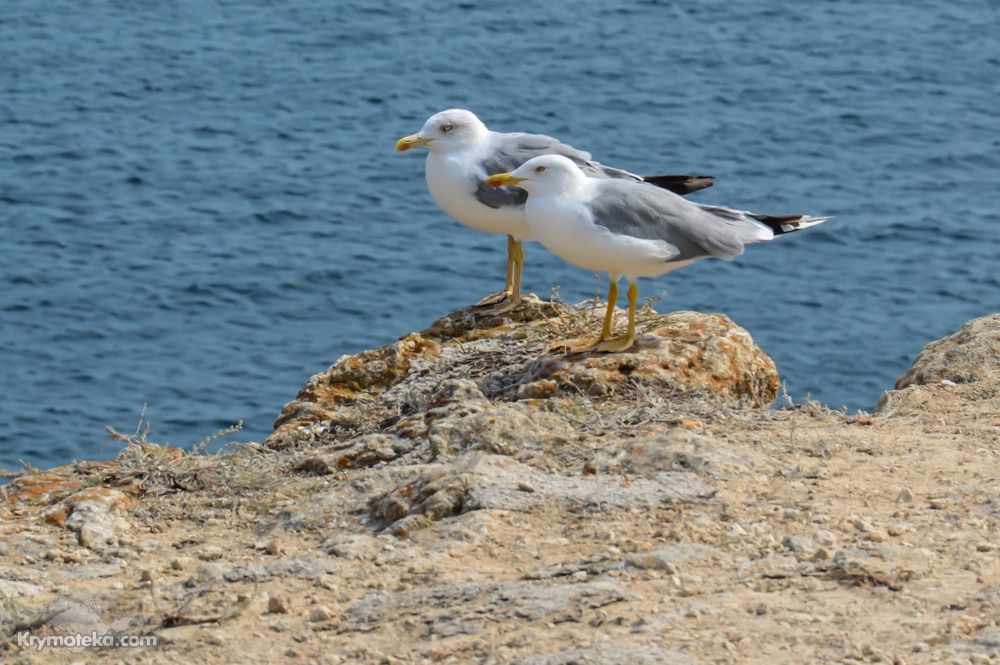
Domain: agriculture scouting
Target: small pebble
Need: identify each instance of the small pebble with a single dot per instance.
(897, 529)
(865, 525)
(277, 605)
(328, 582)
(215, 639)
(147, 545)
(822, 554)
(320, 613)
(210, 553)
(147, 575)
(797, 544)
(905, 496)
(274, 547)
(181, 562)
(824, 537)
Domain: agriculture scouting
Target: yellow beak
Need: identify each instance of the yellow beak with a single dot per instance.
(501, 180)
(411, 141)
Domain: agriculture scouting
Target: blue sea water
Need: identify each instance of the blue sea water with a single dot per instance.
(201, 207)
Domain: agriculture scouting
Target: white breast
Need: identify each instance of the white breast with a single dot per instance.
(563, 225)
(453, 185)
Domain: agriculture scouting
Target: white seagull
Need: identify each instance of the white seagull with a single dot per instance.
(630, 229)
(462, 152)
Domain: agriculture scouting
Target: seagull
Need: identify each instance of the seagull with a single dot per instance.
(462, 152)
(630, 229)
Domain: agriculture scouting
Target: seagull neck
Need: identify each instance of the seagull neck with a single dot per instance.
(468, 152)
(578, 183)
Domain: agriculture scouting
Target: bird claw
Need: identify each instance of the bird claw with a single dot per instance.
(570, 346)
(616, 345)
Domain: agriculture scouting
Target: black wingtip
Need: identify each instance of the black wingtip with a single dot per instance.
(681, 184)
(789, 223)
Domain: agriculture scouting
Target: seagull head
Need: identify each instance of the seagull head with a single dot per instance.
(446, 131)
(541, 175)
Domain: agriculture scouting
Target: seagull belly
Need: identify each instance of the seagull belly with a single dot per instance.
(569, 233)
(454, 190)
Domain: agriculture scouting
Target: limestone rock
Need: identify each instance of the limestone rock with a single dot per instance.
(457, 609)
(611, 653)
(305, 568)
(509, 429)
(678, 450)
(95, 513)
(671, 556)
(350, 380)
(470, 364)
(479, 482)
(366, 450)
(46, 487)
(970, 355)
(467, 496)
(681, 351)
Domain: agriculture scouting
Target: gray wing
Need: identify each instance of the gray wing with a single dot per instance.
(512, 150)
(644, 211)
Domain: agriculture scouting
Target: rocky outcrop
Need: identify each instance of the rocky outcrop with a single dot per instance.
(950, 373)
(512, 382)
(463, 495)
(970, 355)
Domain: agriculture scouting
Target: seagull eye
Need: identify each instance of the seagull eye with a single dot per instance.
(446, 128)
(539, 169)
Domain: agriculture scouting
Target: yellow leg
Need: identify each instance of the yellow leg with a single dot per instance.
(516, 252)
(609, 313)
(508, 288)
(584, 344)
(624, 343)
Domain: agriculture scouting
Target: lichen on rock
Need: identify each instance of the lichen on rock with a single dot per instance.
(483, 365)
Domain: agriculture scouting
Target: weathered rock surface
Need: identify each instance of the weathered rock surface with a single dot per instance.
(95, 513)
(609, 653)
(680, 355)
(483, 482)
(968, 361)
(970, 355)
(464, 496)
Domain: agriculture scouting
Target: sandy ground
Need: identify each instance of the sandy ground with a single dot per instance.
(711, 535)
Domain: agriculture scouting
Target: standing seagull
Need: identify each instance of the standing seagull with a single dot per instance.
(630, 229)
(462, 152)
